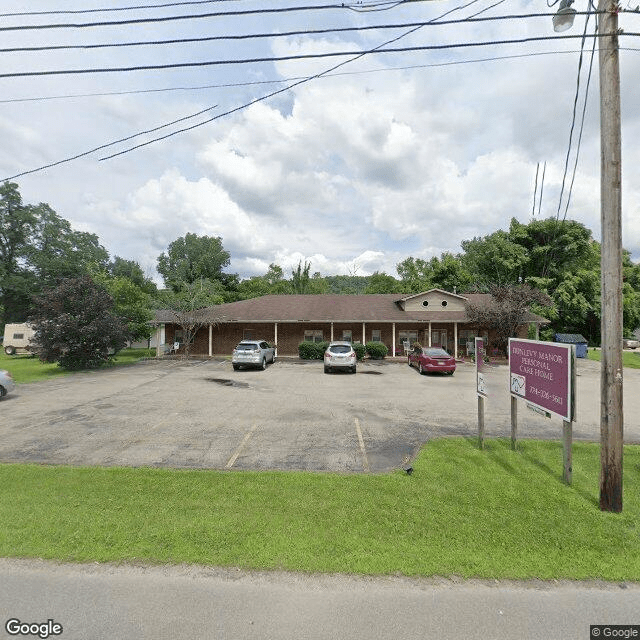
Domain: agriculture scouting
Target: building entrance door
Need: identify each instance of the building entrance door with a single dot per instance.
(439, 338)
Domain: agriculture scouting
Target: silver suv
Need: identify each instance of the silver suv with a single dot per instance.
(340, 355)
(253, 353)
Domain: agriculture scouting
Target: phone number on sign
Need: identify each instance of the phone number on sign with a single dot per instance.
(545, 395)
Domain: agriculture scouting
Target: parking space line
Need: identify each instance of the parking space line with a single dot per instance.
(365, 460)
(238, 451)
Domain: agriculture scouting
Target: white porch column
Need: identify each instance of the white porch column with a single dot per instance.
(332, 332)
(364, 335)
(393, 341)
(275, 336)
(158, 338)
(455, 340)
(429, 332)
(210, 339)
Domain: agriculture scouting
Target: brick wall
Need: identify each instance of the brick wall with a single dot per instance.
(226, 336)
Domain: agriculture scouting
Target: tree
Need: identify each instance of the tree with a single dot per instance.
(415, 274)
(193, 307)
(16, 226)
(130, 269)
(506, 311)
(56, 251)
(131, 304)
(75, 325)
(38, 248)
(494, 259)
(380, 282)
(272, 282)
(300, 278)
(192, 258)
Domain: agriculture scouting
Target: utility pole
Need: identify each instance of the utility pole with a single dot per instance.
(611, 415)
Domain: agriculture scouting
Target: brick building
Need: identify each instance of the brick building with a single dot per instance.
(433, 318)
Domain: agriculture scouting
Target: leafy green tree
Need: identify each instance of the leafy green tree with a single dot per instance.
(554, 248)
(380, 282)
(130, 269)
(131, 303)
(57, 251)
(16, 226)
(76, 326)
(446, 272)
(494, 259)
(272, 282)
(192, 258)
(300, 278)
(347, 284)
(415, 274)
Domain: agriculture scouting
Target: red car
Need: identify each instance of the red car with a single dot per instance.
(430, 359)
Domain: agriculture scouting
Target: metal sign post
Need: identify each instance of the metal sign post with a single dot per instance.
(481, 388)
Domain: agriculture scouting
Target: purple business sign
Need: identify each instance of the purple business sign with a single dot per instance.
(540, 373)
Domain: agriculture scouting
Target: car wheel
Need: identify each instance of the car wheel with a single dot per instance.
(353, 369)
(420, 369)
(326, 369)
(236, 367)
(450, 373)
(3, 392)
(263, 366)
(9, 350)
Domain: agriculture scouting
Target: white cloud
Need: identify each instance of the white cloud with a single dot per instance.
(353, 172)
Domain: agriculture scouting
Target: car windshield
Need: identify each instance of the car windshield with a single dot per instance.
(435, 352)
(247, 347)
(340, 348)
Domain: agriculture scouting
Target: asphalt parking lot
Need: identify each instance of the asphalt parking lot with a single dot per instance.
(202, 414)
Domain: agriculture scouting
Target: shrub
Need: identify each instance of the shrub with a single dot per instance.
(376, 350)
(360, 350)
(321, 348)
(307, 350)
(312, 350)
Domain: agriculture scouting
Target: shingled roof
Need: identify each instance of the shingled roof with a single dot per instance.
(333, 308)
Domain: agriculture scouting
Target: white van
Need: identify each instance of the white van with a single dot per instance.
(18, 338)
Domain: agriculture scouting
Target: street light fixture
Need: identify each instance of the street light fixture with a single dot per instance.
(563, 19)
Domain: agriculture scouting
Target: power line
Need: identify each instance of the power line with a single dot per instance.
(110, 144)
(280, 34)
(239, 108)
(291, 79)
(308, 56)
(195, 16)
(108, 9)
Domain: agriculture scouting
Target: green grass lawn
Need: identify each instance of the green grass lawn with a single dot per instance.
(28, 368)
(491, 514)
(630, 359)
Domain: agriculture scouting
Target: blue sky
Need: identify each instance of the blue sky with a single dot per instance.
(391, 155)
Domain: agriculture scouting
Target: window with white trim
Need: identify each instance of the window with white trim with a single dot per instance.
(347, 335)
(376, 335)
(313, 335)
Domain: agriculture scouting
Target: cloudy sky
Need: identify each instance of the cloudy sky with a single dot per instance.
(376, 158)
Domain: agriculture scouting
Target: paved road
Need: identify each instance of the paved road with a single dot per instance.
(104, 602)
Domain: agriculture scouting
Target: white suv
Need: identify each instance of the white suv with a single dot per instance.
(253, 353)
(340, 355)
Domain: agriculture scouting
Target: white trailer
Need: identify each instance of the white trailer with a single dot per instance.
(18, 338)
